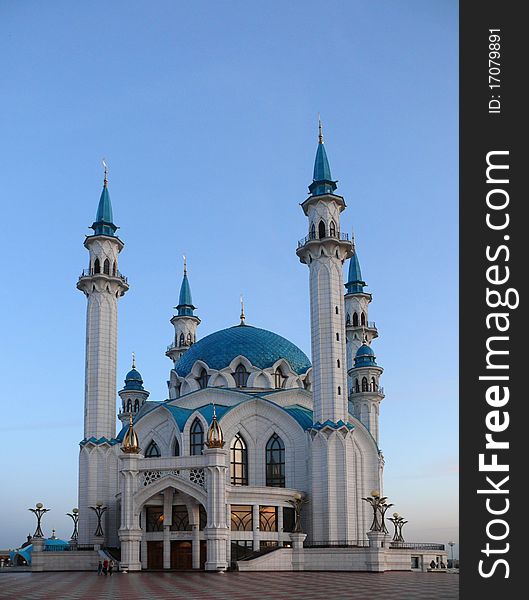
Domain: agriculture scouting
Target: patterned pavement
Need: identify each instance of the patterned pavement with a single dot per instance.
(230, 586)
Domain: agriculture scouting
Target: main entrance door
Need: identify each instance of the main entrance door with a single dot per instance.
(155, 555)
(181, 555)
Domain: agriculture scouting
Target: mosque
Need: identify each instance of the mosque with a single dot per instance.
(256, 448)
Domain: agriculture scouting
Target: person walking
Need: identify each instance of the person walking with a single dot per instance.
(99, 568)
(105, 567)
(110, 567)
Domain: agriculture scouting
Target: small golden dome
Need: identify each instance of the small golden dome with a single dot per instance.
(215, 437)
(130, 444)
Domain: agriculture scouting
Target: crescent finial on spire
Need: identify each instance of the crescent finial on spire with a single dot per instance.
(320, 130)
(105, 166)
(242, 317)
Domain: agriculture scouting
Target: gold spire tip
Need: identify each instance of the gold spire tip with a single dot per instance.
(242, 317)
(185, 265)
(105, 166)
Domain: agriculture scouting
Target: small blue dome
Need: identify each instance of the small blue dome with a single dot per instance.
(261, 347)
(365, 356)
(133, 380)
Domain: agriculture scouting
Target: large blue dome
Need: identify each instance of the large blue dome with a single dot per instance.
(261, 347)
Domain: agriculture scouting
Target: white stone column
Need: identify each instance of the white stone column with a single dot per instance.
(168, 494)
(255, 527)
(217, 528)
(280, 525)
(194, 520)
(228, 541)
(130, 533)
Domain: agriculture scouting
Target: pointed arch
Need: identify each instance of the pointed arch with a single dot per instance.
(196, 438)
(176, 447)
(363, 319)
(241, 376)
(203, 379)
(374, 386)
(238, 461)
(275, 461)
(348, 320)
(182, 340)
(365, 385)
(355, 319)
(136, 405)
(357, 386)
(312, 232)
(279, 379)
(106, 267)
(321, 230)
(97, 266)
(152, 450)
(114, 269)
(332, 229)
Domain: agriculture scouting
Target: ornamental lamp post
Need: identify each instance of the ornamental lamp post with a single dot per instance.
(452, 544)
(39, 511)
(99, 509)
(398, 523)
(74, 515)
(380, 506)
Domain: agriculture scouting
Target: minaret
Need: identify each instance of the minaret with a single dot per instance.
(103, 285)
(357, 326)
(133, 395)
(366, 393)
(324, 250)
(185, 322)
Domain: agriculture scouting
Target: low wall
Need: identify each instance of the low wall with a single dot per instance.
(337, 559)
(65, 561)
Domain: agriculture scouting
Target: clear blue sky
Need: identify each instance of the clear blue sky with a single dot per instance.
(206, 113)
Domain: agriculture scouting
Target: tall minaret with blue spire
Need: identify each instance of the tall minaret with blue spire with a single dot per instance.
(102, 285)
(185, 322)
(334, 510)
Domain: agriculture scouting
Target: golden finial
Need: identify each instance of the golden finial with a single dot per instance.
(215, 438)
(105, 180)
(243, 317)
(130, 444)
(185, 265)
(320, 130)
(133, 360)
(353, 240)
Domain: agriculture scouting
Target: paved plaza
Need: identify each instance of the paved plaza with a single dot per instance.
(231, 586)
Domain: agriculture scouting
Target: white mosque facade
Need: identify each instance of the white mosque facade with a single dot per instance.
(256, 447)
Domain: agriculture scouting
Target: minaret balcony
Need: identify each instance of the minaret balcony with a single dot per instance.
(313, 237)
(91, 273)
(375, 394)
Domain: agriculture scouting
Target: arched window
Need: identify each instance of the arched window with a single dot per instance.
(280, 379)
(106, 267)
(365, 385)
(374, 386)
(152, 450)
(338, 363)
(363, 318)
(321, 230)
(332, 229)
(347, 320)
(241, 376)
(313, 232)
(355, 320)
(129, 405)
(97, 266)
(196, 438)
(238, 461)
(357, 386)
(136, 405)
(176, 448)
(182, 340)
(275, 462)
(339, 391)
(337, 337)
(189, 339)
(114, 269)
(336, 310)
(203, 379)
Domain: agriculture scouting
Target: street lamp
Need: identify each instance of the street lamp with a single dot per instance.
(74, 515)
(99, 509)
(380, 506)
(39, 511)
(398, 523)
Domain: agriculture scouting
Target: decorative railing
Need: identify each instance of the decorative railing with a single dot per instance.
(368, 325)
(416, 546)
(194, 475)
(338, 544)
(315, 236)
(69, 548)
(174, 346)
(378, 390)
(90, 272)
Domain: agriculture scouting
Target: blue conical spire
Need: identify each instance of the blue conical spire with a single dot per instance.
(322, 182)
(104, 223)
(185, 301)
(354, 284)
